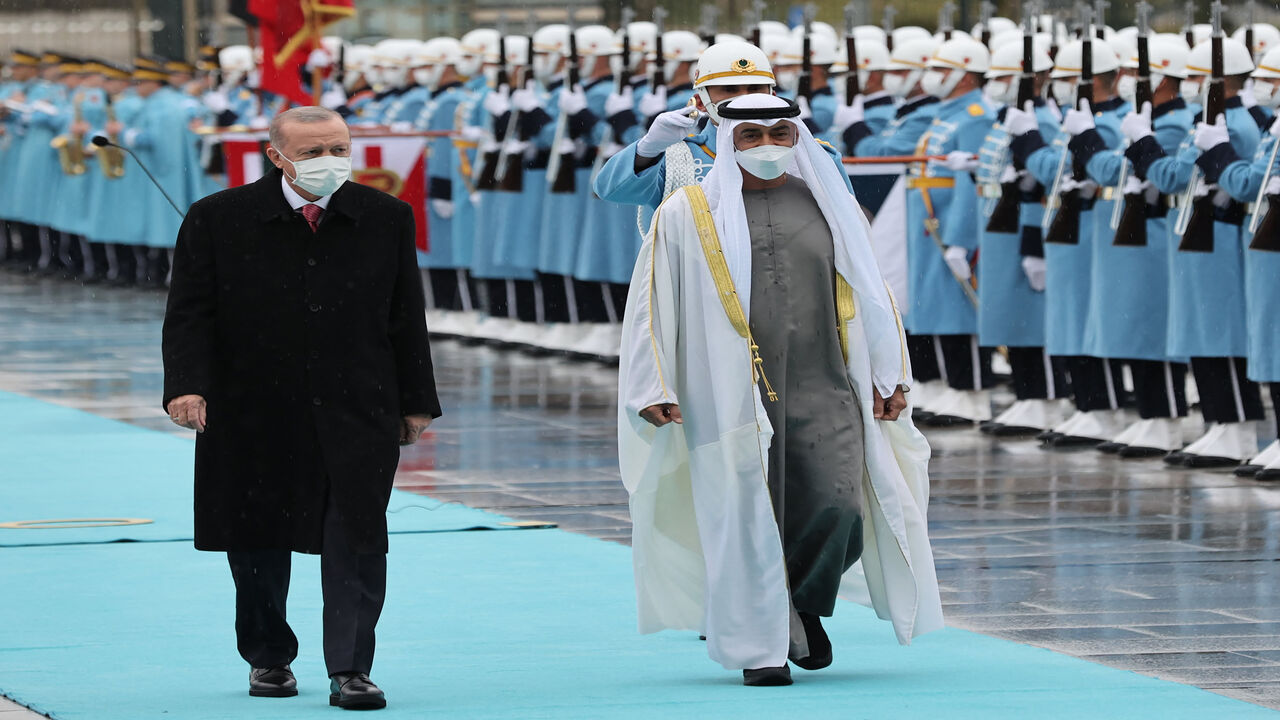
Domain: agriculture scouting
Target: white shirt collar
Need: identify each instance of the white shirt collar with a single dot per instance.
(296, 201)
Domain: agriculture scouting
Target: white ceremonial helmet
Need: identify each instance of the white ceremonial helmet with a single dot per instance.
(871, 33)
(1266, 79)
(730, 63)
(998, 25)
(1005, 70)
(642, 37)
(1129, 33)
(950, 62)
(1123, 50)
(1265, 37)
(817, 28)
(1167, 55)
(550, 45)
(236, 62)
(872, 57)
(772, 27)
(729, 37)
(912, 57)
(356, 65)
(598, 41)
(432, 58)
(679, 46)
(956, 34)
(517, 47)
(479, 48)
(327, 55)
(1201, 32)
(390, 62)
(787, 62)
(774, 46)
(907, 33)
(1236, 58)
(1068, 66)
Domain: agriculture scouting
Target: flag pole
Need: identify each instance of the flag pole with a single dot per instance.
(313, 19)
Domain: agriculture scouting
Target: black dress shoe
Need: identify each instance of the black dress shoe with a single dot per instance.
(1176, 458)
(947, 421)
(355, 691)
(1048, 436)
(819, 644)
(1015, 431)
(989, 426)
(272, 682)
(919, 415)
(1130, 452)
(1209, 461)
(1110, 448)
(767, 677)
(1268, 474)
(1247, 470)
(1073, 441)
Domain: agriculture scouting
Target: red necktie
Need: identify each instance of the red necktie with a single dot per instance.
(312, 214)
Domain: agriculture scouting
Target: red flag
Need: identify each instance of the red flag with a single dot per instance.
(288, 31)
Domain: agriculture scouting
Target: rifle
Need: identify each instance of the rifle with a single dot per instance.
(1130, 218)
(986, 9)
(1006, 216)
(710, 21)
(620, 82)
(657, 73)
(1250, 8)
(887, 25)
(1189, 22)
(1100, 18)
(487, 178)
(1197, 230)
(946, 19)
(852, 83)
(561, 168)
(805, 87)
(513, 165)
(757, 14)
(1064, 229)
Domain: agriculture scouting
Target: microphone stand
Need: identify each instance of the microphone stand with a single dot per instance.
(102, 141)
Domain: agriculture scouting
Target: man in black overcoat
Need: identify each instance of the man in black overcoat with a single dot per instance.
(295, 344)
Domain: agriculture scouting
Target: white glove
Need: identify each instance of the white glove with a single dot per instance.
(1247, 98)
(498, 102)
(443, 208)
(1078, 121)
(334, 99)
(573, 101)
(960, 161)
(567, 146)
(1008, 174)
(515, 147)
(44, 107)
(805, 112)
(319, 58)
(667, 129)
(1273, 186)
(401, 126)
(1020, 122)
(526, 99)
(1134, 185)
(1211, 136)
(847, 115)
(619, 102)
(958, 260)
(472, 133)
(475, 199)
(259, 123)
(490, 145)
(1137, 125)
(1274, 130)
(216, 101)
(654, 103)
(1053, 108)
(1033, 267)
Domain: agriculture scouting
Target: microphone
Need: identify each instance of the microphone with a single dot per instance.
(103, 141)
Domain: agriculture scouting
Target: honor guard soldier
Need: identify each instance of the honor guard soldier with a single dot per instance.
(114, 202)
(85, 111)
(36, 163)
(1206, 290)
(435, 73)
(680, 50)
(942, 214)
(1256, 180)
(1011, 247)
(20, 239)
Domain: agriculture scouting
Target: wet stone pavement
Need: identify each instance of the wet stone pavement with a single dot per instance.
(1168, 572)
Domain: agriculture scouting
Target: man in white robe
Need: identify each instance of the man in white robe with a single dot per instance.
(710, 539)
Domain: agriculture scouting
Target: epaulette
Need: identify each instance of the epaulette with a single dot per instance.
(976, 109)
(824, 142)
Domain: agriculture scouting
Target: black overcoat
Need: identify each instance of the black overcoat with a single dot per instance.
(308, 348)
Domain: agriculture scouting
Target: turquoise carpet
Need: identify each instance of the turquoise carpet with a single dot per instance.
(534, 623)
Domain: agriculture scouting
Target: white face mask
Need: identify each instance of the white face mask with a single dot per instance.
(491, 76)
(543, 66)
(1265, 92)
(395, 77)
(1127, 88)
(1001, 91)
(896, 85)
(470, 65)
(669, 70)
(788, 80)
(766, 162)
(1064, 92)
(320, 176)
(1190, 90)
(424, 77)
(938, 83)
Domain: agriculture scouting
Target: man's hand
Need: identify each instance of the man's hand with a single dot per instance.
(1035, 270)
(1209, 136)
(412, 427)
(655, 103)
(1078, 120)
(659, 415)
(573, 101)
(1020, 122)
(847, 115)
(1137, 125)
(889, 409)
(667, 129)
(498, 102)
(114, 128)
(189, 411)
(619, 102)
(957, 259)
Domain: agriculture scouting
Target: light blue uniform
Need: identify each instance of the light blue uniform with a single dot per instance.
(374, 111)
(938, 305)
(609, 241)
(1206, 298)
(560, 226)
(67, 210)
(504, 233)
(1242, 179)
(407, 106)
(37, 163)
(437, 115)
(899, 135)
(1010, 312)
(115, 206)
(161, 139)
(11, 150)
(461, 159)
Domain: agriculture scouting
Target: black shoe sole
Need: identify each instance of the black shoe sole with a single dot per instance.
(1073, 441)
(1008, 431)
(363, 703)
(1210, 461)
(1247, 470)
(1110, 448)
(1133, 452)
(948, 421)
(292, 692)
(1267, 475)
(1175, 458)
(767, 677)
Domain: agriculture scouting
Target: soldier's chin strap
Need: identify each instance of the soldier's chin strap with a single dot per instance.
(729, 112)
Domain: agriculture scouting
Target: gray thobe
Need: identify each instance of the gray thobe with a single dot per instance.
(816, 459)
